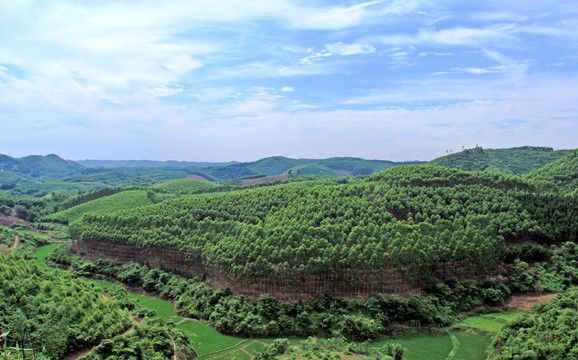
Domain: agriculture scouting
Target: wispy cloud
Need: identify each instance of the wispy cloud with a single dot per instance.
(291, 76)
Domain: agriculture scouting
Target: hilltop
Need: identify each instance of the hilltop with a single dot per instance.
(38, 167)
(514, 161)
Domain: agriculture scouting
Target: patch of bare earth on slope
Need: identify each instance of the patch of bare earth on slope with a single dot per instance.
(527, 302)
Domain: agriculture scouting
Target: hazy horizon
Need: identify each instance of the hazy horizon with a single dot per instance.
(226, 81)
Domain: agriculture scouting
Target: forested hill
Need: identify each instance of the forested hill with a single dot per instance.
(514, 161)
(348, 238)
(39, 167)
(280, 165)
(151, 164)
(563, 172)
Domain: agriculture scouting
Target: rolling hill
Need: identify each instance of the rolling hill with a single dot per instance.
(387, 232)
(151, 164)
(280, 165)
(514, 161)
(39, 168)
(563, 172)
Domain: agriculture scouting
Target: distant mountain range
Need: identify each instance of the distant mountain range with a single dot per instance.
(36, 168)
(151, 164)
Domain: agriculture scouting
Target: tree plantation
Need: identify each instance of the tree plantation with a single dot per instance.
(385, 233)
(307, 261)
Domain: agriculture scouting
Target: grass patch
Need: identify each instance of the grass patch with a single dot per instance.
(205, 339)
(422, 345)
(245, 350)
(491, 322)
(472, 346)
(43, 252)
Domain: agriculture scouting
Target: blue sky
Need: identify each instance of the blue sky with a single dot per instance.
(221, 80)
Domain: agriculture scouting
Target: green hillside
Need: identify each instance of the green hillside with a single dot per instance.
(412, 220)
(124, 200)
(549, 332)
(563, 172)
(279, 165)
(8, 180)
(150, 164)
(514, 161)
(39, 167)
(184, 186)
(57, 312)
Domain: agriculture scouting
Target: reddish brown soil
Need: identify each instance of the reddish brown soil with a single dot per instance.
(7, 220)
(197, 177)
(262, 179)
(16, 242)
(346, 172)
(527, 302)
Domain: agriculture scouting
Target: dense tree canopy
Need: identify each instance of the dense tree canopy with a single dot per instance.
(409, 217)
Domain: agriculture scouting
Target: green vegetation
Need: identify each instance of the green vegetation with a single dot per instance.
(491, 322)
(36, 301)
(8, 180)
(278, 165)
(514, 161)
(334, 348)
(549, 332)
(268, 317)
(36, 166)
(408, 223)
(205, 340)
(563, 172)
(123, 200)
(7, 236)
(183, 186)
(422, 345)
(151, 339)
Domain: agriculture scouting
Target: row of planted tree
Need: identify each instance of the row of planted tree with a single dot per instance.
(305, 238)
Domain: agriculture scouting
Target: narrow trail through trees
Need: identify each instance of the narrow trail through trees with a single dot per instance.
(16, 242)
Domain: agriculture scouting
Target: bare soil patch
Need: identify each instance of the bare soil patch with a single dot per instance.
(262, 179)
(346, 172)
(7, 220)
(527, 302)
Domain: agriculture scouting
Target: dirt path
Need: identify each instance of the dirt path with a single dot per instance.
(16, 242)
(174, 349)
(527, 302)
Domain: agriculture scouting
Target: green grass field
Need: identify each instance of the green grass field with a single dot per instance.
(472, 339)
(422, 345)
(42, 253)
(471, 345)
(490, 322)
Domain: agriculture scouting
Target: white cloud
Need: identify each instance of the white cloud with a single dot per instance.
(480, 71)
(349, 49)
(181, 64)
(453, 36)
(287, 89)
